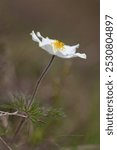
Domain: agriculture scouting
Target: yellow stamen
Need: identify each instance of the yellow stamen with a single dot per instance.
(58, 45)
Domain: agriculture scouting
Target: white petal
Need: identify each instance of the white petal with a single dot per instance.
(39, 35)
(47, 45)
(44, 43)
(48, 48)
(81, 55)
(69, 50)
(34, 37)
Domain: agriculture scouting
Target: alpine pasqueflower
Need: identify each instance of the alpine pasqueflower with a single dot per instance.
(55, 47)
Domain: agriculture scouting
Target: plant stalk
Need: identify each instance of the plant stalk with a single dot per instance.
(21, 123)
(39, 80)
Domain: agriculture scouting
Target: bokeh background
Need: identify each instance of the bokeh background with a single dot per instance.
(72, 84)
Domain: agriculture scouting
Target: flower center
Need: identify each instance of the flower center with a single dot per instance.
(58, 45)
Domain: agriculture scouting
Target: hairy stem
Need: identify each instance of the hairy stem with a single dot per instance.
(20, 125)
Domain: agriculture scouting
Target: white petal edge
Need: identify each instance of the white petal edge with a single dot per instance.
(81, 55)
(39, 35)
(34, 37)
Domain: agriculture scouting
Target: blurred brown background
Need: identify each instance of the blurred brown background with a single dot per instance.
(72, 84)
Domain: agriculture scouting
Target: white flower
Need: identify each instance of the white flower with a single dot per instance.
(55, 47)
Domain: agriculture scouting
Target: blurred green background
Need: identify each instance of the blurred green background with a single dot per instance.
(72, 84)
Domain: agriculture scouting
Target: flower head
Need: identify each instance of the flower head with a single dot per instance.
(56, 47)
